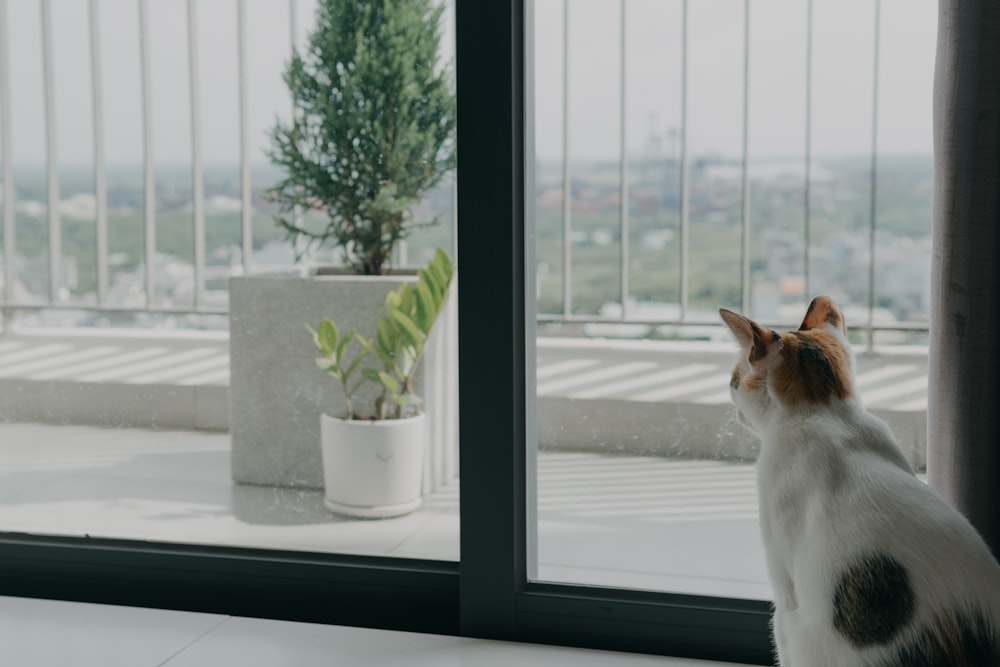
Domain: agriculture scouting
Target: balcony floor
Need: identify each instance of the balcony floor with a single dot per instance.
(640, 522)
(625, 495)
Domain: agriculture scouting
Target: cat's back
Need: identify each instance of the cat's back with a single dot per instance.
(900, 574)
(885, 572)
(836, 455)
(862, 495)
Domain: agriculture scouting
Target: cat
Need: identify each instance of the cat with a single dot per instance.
(869, 566)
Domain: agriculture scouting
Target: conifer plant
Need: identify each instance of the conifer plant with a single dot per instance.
(373, 128)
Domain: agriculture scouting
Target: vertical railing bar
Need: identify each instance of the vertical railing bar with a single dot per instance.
(246, 210)
(684, 164)
(623, 171)
(293, 24)
(100, 179)
(52, 158)
(567, 193)
(874, 179)
(807, 192)
(197, 180)
(293, 28)
(745, 185)
(149, 184)
(9, 228)
(400, 257)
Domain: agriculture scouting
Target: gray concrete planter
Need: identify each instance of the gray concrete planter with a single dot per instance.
(277, 394)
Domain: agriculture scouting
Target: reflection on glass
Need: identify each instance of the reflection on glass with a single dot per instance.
(747, 177)
(159, 379)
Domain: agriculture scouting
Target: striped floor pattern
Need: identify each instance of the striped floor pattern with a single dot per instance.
(96, 361)
(654, 490)
(883, 382)
(889, 386)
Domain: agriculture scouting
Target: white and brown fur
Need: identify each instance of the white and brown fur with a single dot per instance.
(869, 566)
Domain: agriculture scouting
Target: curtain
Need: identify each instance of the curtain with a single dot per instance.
(964, 384)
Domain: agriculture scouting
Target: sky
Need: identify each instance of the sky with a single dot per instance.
(842, 83)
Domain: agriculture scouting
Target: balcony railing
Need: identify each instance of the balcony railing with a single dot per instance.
(55, 278)
(568, 312)
(678, 166)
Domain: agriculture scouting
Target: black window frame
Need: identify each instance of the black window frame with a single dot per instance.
(487, 594)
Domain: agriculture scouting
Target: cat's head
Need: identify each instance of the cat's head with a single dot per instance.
(812, 365)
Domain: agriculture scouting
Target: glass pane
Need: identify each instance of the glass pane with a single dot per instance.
(158, 377)
(641, 477)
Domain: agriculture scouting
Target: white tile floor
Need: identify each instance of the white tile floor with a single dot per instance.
(42, 633)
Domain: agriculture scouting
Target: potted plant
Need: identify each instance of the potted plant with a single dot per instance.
(373, 129)
(373, 452)
(372, 132)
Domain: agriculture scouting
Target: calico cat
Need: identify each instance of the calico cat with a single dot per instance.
(869, 566)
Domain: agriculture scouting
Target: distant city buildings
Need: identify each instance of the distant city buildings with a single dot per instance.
(838, 254)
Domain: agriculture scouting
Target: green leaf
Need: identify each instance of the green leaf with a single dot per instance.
(386, 338)
(327, 336)
(407, 300)
(392, 300)
(444, 266)
(441, 277)
(447, 272)
(430, 282)
(342, 345)
(370, 374)
(411, 332)
(426, 308)
(389, 383)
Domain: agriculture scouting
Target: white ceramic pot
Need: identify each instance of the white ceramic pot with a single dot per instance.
(373, 469)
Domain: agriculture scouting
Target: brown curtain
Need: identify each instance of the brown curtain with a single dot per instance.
(964, 399)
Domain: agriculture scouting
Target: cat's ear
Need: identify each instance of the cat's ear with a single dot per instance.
(823, 313)
(752, 337)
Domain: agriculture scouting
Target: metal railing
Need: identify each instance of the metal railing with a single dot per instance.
(56, 298)
(567, 314)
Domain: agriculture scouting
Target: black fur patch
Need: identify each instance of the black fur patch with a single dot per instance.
(873, 601)
(812, 356)
(954, 641)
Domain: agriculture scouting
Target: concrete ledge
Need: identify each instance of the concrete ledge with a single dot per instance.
(586, 404)
(678, 430)
(196, 408)
(671, 398)
(616, 426)
(111, 377)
